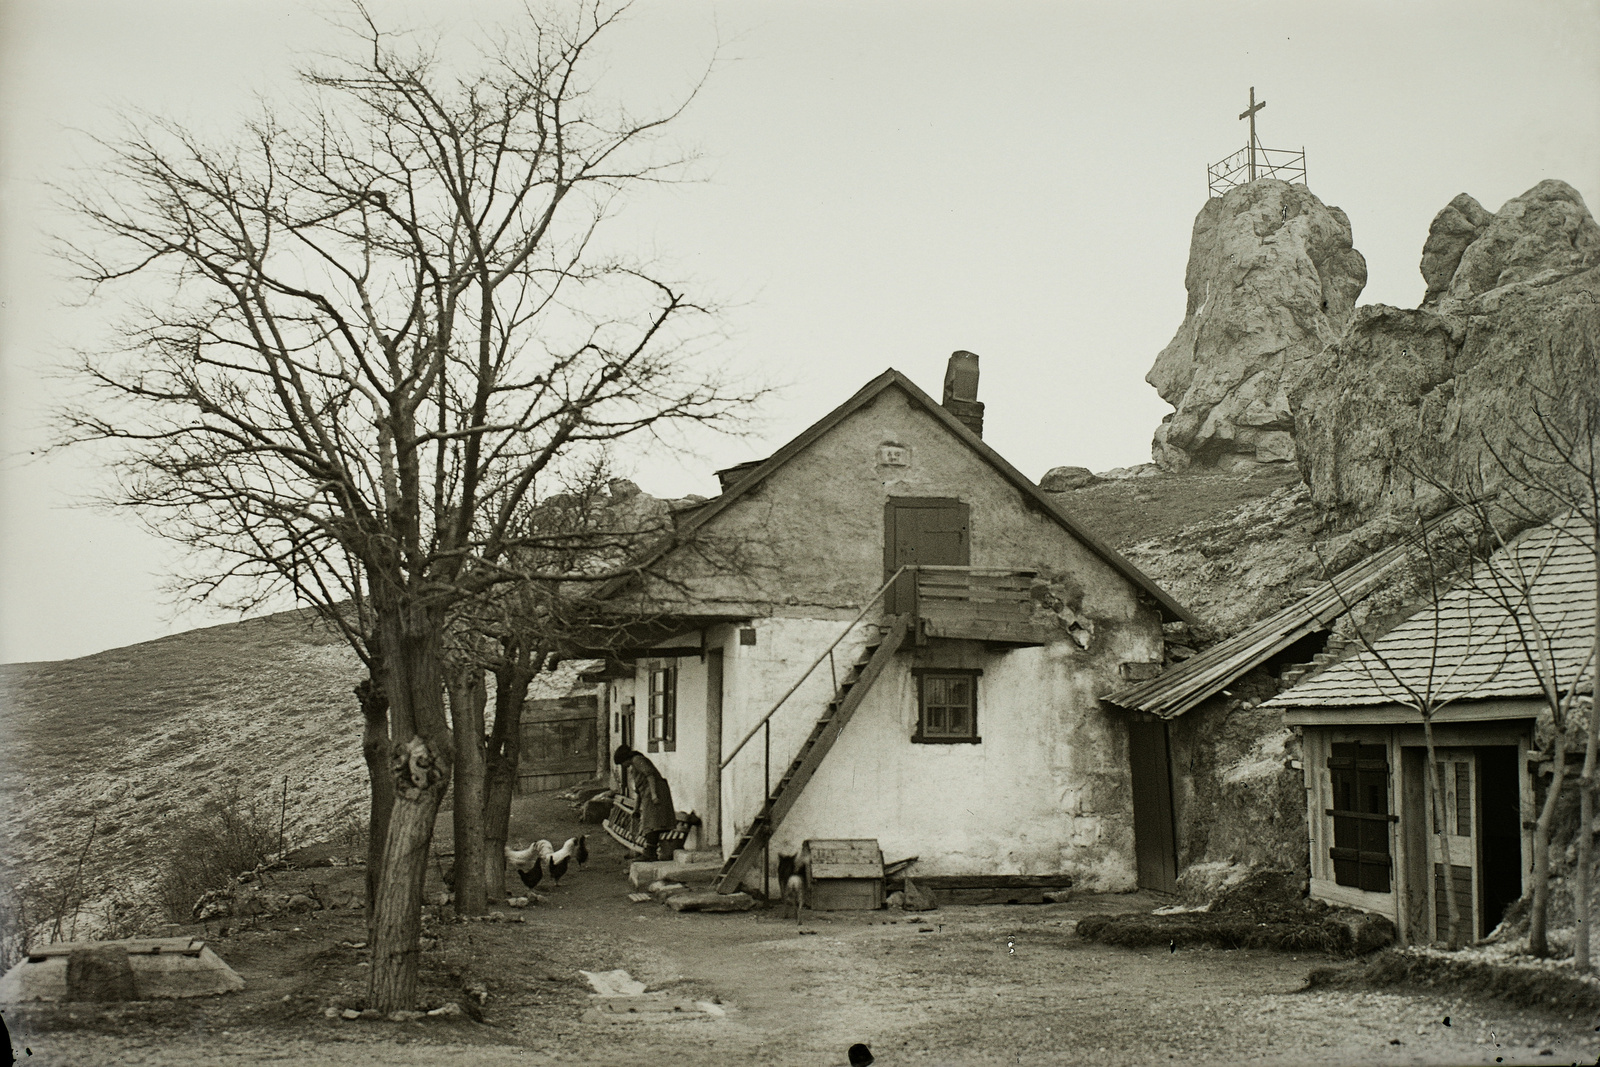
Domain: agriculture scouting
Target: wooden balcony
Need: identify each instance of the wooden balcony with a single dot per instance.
(972, 603)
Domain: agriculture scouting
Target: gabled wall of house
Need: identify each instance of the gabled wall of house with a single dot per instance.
(809, 542)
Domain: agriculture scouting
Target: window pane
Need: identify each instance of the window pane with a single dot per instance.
(1464, 799)
(947, 706)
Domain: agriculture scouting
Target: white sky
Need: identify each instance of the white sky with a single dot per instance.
(885, 182)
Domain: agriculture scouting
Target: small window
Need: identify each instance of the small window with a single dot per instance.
(947, 707)
(1359, 775)
(664, 709)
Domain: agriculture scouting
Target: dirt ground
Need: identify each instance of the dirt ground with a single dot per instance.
(961, 986)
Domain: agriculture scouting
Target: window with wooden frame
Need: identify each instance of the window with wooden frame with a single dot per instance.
(663, 709)
(1360, 777)
(947, 706)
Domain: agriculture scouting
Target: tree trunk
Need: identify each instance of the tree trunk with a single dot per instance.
(1439, 828)
(1539, 906)
(375, 748)
(466, 716)
(504, 753)
(411, 638)
(421, 776)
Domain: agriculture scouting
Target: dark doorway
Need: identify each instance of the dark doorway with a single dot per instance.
(1500, 817)
(922, 531)
(1154, 843)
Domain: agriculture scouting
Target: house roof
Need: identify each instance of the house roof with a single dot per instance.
(890, 379)
(1468, 647)
(1186, 685)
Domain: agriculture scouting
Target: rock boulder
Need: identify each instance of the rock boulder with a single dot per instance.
(1272, 279)
(1063, 479)
(1406, 396)
(1545, 234)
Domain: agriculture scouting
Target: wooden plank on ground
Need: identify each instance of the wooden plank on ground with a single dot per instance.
(994, 881)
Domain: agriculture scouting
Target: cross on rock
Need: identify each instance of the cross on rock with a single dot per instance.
(1250, 113)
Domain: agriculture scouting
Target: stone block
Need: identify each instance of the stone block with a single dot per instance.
(101, 973)
(642, 873)
(596, 809)
(697, 857)
(666, 888)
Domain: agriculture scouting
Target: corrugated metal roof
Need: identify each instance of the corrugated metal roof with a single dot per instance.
(1199, 677)
(1471, 647)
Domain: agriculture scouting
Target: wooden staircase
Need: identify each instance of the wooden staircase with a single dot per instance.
(852, 690)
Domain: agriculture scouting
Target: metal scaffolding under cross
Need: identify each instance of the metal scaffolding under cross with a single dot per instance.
(1250, 113)
(1253, 161)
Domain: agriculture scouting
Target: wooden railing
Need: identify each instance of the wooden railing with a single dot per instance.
(974, 603)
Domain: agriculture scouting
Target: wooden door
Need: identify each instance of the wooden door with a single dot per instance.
(1455, 820)
(923, 531)
(1154, 842)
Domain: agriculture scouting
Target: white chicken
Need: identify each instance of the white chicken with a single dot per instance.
(531, 862)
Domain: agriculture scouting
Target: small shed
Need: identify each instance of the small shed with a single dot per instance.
(843, 874)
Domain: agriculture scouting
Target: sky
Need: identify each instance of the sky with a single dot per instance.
(878, 184)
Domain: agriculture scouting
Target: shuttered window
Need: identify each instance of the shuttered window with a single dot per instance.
(1361, 818)
(664, 709)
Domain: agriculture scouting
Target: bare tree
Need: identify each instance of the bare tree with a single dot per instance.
(1548, 464)
(365, 335)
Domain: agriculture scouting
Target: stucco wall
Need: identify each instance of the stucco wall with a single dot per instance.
(1046, 791)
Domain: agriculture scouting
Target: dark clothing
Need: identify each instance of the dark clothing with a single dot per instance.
(656, 811)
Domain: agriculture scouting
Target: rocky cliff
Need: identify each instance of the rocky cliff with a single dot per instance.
(1509, 323)
(1272, 279)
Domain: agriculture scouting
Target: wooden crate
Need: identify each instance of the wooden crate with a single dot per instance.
(843, 874)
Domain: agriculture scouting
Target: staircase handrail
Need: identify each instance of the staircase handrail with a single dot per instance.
(817, 663)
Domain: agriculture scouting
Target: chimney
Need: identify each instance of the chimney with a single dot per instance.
(961, 391)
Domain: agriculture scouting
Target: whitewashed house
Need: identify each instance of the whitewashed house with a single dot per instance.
(885, 631)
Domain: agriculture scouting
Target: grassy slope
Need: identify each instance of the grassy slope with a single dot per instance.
(140, 737)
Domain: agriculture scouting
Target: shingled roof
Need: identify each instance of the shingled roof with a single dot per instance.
(1468, 647)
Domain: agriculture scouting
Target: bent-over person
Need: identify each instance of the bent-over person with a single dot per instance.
(657, 814)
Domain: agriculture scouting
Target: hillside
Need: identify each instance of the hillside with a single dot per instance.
(138, 738)
(1231, 547)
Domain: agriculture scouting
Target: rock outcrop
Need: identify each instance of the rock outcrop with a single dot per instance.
(1272, 279)
(1462, 222)
(1437, 389)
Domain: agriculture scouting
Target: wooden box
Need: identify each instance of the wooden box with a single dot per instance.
(843, 875)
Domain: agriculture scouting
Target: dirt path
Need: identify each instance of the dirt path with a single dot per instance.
(967, 986)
